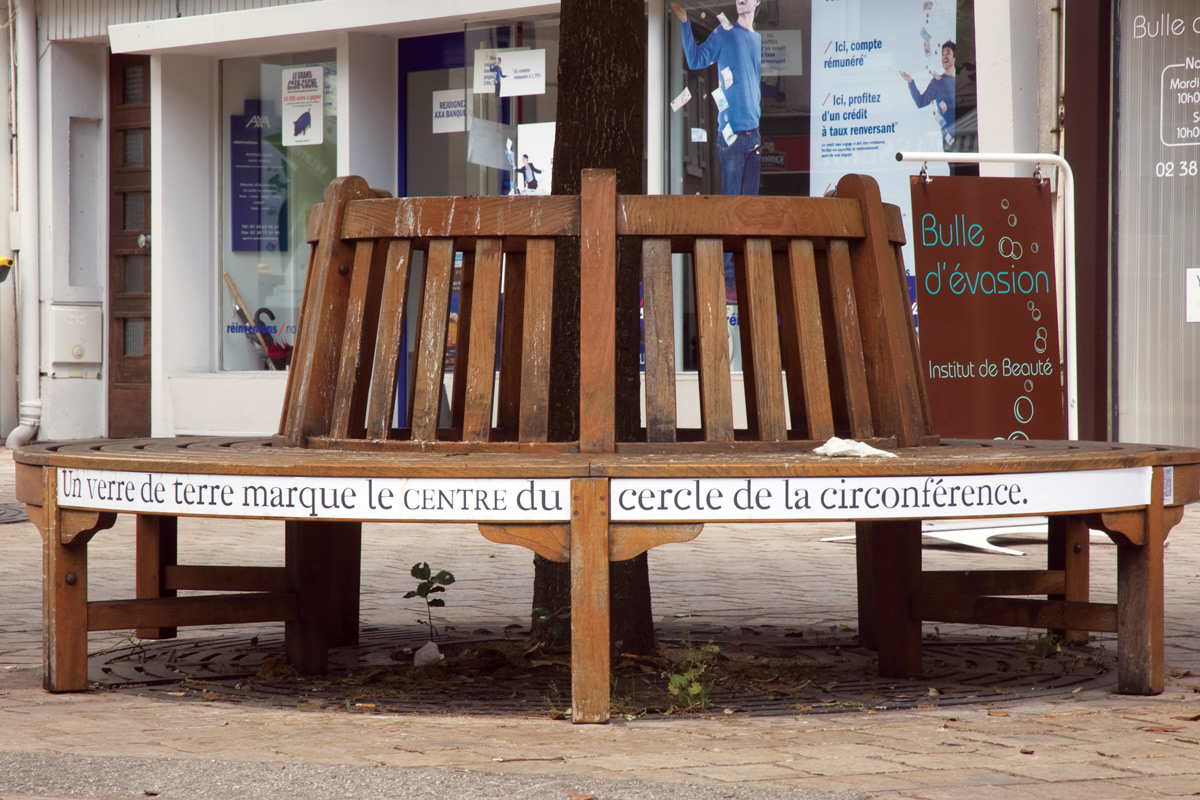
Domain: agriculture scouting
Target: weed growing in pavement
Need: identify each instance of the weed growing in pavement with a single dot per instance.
(1044, 645)
(689, 690)
(429, 583)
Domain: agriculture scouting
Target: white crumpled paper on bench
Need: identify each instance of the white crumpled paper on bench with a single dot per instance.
(849, 447)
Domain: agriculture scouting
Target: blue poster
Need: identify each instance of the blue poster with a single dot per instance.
(257, 180)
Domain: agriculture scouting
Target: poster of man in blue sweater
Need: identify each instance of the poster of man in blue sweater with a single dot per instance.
(940, 91)
(736, 49)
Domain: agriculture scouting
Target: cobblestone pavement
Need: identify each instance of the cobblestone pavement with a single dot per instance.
(1057, 742)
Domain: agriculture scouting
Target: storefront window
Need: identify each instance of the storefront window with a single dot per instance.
(831, 98)
(279, 152)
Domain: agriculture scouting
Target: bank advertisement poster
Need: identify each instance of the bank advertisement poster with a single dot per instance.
(509, 72)
(258, 180)
(880, 84)
(986, 290)
(303, 105)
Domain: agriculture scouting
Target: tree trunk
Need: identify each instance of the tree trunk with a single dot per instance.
(601, 124)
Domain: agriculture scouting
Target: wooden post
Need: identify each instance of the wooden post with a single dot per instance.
(157, 547)
(1140, 602)
(590, 655)
(308, 555)
(891, 569)
(1068, 550)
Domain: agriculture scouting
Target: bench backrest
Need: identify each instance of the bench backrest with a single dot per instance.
(827, 338)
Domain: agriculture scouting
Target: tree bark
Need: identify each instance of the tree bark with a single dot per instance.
(600, 124)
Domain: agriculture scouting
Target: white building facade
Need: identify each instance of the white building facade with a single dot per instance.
(166, 151)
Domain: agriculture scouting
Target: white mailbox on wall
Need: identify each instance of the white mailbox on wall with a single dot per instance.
(73, 341)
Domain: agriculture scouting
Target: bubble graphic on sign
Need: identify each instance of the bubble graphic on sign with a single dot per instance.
(1034, 311)
(1040, 340)
(1033, 248)
(1010, 248)
(1023, 409)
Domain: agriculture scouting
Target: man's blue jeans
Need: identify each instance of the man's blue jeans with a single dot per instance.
(741, 166)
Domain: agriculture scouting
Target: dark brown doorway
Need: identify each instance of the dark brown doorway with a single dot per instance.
(129, 247)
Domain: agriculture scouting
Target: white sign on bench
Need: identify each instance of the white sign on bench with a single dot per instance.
(886, 497)
(303, 497)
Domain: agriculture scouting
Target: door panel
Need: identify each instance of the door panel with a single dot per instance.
(129, 247)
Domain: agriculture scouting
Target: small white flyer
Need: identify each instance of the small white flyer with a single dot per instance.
(449, 111)
(1192, 295)
(730, 136)
(718, 97)
(699, 135)
(682, 100)
(727, 77)
(303, 106)
(724, 20)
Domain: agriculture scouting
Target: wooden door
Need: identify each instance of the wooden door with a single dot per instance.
(129, 247)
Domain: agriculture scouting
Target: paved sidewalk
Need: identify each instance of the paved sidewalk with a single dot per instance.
(113, 744)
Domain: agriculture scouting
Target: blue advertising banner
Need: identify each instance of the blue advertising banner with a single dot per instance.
(258, 179)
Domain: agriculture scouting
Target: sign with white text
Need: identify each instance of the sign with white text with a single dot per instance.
(302, 497)
(895, 497)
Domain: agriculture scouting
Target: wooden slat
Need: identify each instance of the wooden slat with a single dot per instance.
(225, 579)
(314, 362)
(597, 311)
(453, 217)
(111, 615)
(803, 340)
(926, 410)
(885, 316)
(388, 339)
(994, 582)
(481, 358)
(764, 340)
(431, 347)
(720, 215)
(462, 346)
(712, 331)
(847, 338)
(508, 400)
(358, 340)
(316, 220)
(1015, 612)
(742, 331)
(658, 335)
(538, 299)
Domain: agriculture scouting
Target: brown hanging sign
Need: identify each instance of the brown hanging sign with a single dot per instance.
(987, 306)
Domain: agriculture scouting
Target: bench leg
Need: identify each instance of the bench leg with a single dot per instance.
(1068, 549)
(157, 548)
(64, 611)
(889, 573)
(590, 654)
(1140, 610)
(308, 559)
(345, 583)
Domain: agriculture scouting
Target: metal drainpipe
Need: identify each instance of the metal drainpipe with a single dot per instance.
(29, 409)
